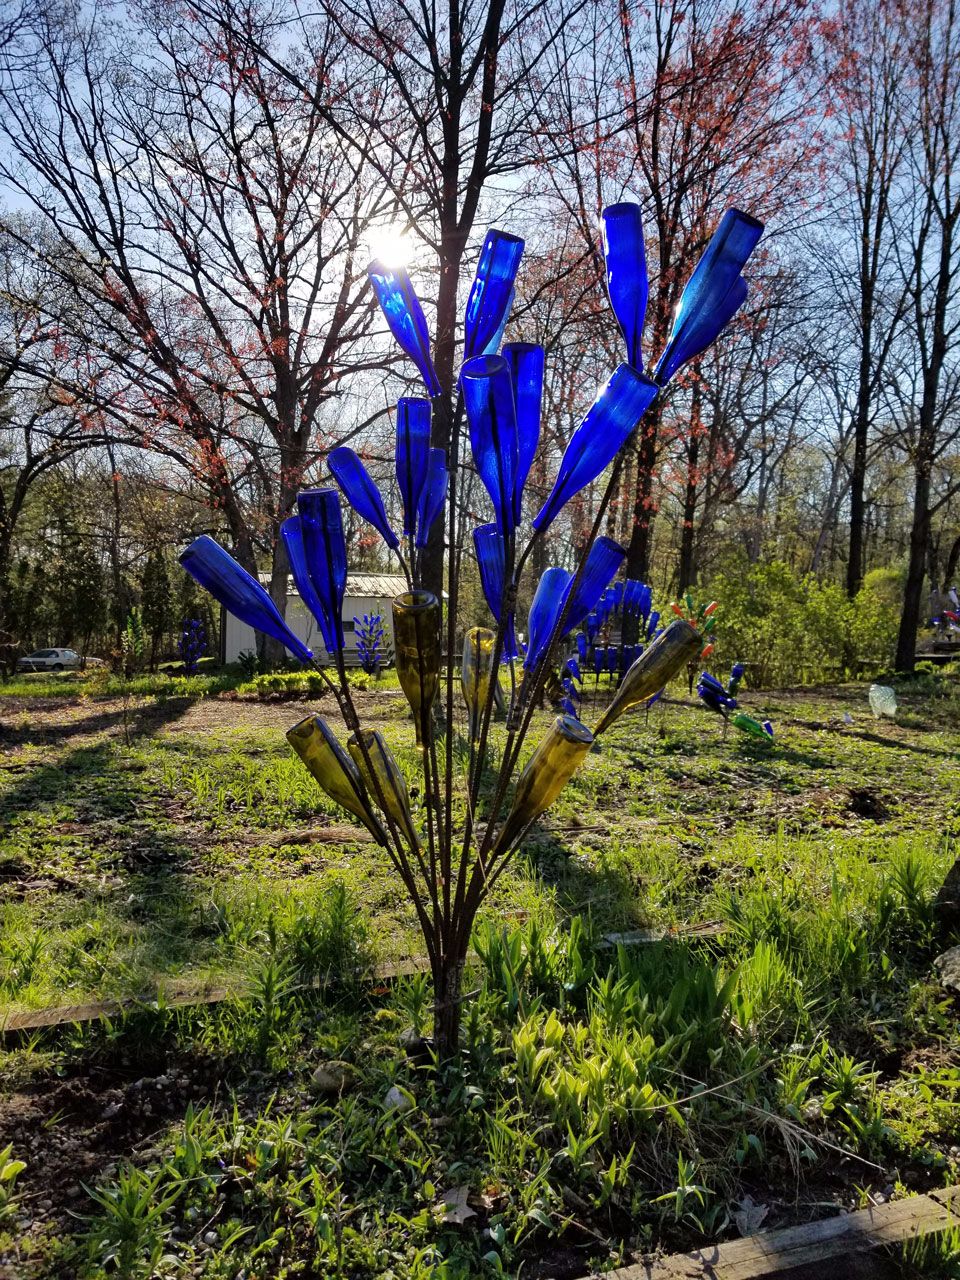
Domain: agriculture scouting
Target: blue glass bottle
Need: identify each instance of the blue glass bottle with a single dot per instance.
(488, 400)
(239, 593)
(526, 364)
(713, 294)
(599, 438)
(493, 346)
(412, 456)
(603, 561)
(626, 259)
(357, 486)
(291, 532)
(433, 495)
(404, 314)
(488, 304)
(321, 523)
(491, 561)
(544, 611)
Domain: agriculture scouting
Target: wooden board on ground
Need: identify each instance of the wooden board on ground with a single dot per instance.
(181, 995)
(682, 932)
(779, 1253)
(174, 996)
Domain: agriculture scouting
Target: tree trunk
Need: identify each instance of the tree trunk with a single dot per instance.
(950, 569)
(687, 567)
(272, 652)
(858, 475)
(8, 642)
(916, 569)
(447, 1005)
(638, 552)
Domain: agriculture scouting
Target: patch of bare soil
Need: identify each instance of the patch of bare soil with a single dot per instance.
(75, 1131)
(225, 714)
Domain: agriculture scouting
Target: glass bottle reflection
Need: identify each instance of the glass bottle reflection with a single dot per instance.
(433, 495)
(416, 638)
(384, 772)
(655, 667)
(548, 771)
(476, 671)
(334, 771)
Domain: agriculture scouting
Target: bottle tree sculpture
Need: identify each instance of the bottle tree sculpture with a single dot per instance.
(724, 702)
(450, 851)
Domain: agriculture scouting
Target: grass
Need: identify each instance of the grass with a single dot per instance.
(613, 1100)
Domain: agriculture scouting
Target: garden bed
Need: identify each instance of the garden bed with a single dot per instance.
(799, 1063)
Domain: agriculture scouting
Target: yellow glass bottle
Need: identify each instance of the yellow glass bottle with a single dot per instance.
(334, 771)
(548, 771)
(655, 667)
(396, 798)
(416, 639)
(476, 671)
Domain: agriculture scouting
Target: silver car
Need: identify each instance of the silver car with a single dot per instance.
(50, 660)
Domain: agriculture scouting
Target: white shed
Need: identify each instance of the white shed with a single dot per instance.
(366, 593)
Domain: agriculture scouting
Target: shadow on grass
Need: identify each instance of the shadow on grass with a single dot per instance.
(149, 907)
(896, 744)
(606, 893)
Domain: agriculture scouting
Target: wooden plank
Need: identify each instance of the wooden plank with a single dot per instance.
(772, 1253)
(641, 937)
(174, 996)
(181, 995)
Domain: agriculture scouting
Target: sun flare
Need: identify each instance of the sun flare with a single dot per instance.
(390, 245)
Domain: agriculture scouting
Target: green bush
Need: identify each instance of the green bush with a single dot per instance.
(796, 629)
(290, 684)
(787, 629)
(875, 619)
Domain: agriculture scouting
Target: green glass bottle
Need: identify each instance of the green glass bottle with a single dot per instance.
(656, 667)
(396, 798)
(747, 724)
(334, 771)
(476, 671)
(548, 771)
(416, 639)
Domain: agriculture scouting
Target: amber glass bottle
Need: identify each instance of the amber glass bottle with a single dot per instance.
(386, 771)
(416, 637)
(548, 771)
(476, 671)
(655, 667)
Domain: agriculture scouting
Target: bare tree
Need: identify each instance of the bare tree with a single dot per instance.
(202, 218)
(688, 108)
(867, 68)
(929, 251)
(454, 121)
(42, 422)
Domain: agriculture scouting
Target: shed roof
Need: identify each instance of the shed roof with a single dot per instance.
(376, 584)
(364, 585)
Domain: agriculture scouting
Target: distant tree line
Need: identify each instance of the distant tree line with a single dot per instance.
(190, 196)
